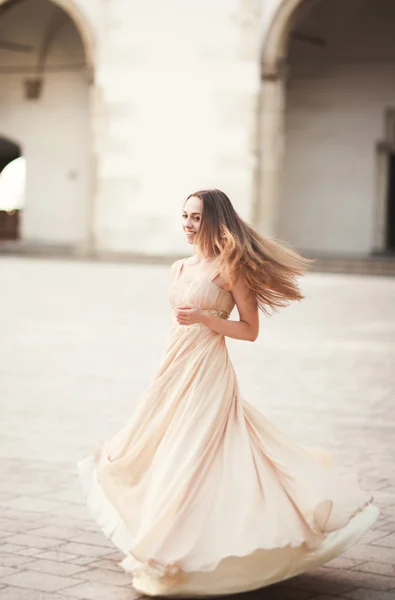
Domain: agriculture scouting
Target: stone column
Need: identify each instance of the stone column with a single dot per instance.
(270, 151)
(384, 150)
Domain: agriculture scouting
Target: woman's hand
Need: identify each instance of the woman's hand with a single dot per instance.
(188, 315)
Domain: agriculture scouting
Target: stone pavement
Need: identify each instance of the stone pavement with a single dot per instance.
(79, 343)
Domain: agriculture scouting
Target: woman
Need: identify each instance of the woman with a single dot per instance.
(201, 493)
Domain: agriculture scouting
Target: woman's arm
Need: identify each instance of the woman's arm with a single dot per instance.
(246, 328)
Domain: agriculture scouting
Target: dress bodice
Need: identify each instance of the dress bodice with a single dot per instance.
(199, 291)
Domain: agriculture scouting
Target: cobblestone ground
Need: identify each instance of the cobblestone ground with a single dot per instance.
(80, 342)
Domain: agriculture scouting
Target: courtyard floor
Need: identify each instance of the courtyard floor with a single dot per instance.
(80, 341)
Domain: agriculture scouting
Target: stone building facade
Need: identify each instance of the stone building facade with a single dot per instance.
(123, 107)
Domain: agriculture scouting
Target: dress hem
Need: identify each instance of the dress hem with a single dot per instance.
(171, 575)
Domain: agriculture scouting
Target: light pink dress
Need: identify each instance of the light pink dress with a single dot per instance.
(202, 494)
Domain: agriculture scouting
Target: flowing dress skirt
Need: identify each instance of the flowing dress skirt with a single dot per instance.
(202, 494)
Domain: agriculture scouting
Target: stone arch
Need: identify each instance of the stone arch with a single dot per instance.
(274, 47)
(81, 172)
(80, 21)
(271, 135)
(84, 28)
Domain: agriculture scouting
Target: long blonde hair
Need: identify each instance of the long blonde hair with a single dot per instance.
(269, 267)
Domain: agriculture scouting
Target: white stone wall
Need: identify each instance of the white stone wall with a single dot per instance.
(176, 104)
(178, 84)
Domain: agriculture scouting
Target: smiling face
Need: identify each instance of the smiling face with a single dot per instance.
(191, 218)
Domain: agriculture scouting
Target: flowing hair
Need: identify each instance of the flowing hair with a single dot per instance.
(269, 268)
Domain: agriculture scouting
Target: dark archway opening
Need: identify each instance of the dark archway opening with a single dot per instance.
(11, 190)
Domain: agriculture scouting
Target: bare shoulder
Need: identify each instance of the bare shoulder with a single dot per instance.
(222, 281)
(239, 281)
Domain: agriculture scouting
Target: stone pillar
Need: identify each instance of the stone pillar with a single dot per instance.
(270, 151)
